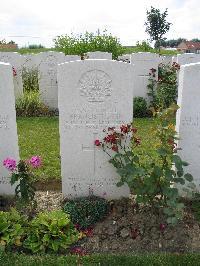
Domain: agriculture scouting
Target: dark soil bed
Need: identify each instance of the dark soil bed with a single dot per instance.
(131, 229)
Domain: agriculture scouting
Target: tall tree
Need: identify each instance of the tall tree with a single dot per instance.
(157, 25)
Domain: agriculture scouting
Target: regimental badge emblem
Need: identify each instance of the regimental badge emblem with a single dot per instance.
(95, 85)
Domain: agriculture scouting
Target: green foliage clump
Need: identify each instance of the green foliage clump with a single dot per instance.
(30, 78)
(163, 92)
(29, 104)
(140, 107)
(89, 42)
(143, 46)
(85, 212)
(51, 231)
(12, 229)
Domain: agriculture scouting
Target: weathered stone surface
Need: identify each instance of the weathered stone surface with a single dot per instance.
(187, 58)
(99, 55)
(8, 128)
(143, 62)
(47, 65)
(188, 118)
(16, 60)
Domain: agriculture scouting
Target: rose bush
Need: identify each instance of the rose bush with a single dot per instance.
(153, 182)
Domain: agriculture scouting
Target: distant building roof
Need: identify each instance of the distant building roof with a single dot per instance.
(189, 45)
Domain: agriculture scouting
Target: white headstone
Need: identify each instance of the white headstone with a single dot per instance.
(143, 62)
(69, 58)
(188, 118)
(166, 59)
(99, 55)
(47, 67)
(16, 61)
(93, 95)
(188, 58)
(30, 61)
(47, 64)
(8, 127)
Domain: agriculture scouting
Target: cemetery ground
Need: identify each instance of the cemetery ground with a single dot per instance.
(127, 229)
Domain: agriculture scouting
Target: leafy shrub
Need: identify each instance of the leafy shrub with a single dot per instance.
(85, 212)
(153, 182)
(30, 79)
(89, 42)
(163, 92)
(167, 90)
(11, 229)
(51, 231)
(29, 104)
(140, 107)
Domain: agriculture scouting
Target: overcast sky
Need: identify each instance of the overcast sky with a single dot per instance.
(41, 20)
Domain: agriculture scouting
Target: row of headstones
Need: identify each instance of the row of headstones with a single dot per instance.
(46, 63)
(94, 95)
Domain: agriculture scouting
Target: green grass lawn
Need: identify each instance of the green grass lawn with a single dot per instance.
(8, 259)
(40, 136)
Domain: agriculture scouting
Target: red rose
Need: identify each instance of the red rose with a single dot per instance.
(97, 142)
(124, 129)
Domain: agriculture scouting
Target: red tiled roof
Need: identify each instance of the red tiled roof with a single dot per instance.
(192, 45)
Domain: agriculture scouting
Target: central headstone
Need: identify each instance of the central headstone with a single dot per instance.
(8, 128)
(93, 95)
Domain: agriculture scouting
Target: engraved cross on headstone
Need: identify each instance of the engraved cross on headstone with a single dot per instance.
(92, 148)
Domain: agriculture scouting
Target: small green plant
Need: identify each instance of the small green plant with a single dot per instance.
(51, 231)
(153, 182)
(85, 212)
(29, 104)
(12, 230)
(22, 176)
(30, 78)
(140, 107)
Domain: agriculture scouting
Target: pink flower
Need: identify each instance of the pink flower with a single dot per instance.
(9, 164)
(35, 161)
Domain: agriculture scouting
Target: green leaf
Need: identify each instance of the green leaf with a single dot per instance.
(179, 180)
(178, 162)
(162, 151)
(188, 177)
(185, 163)
(172, 220)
